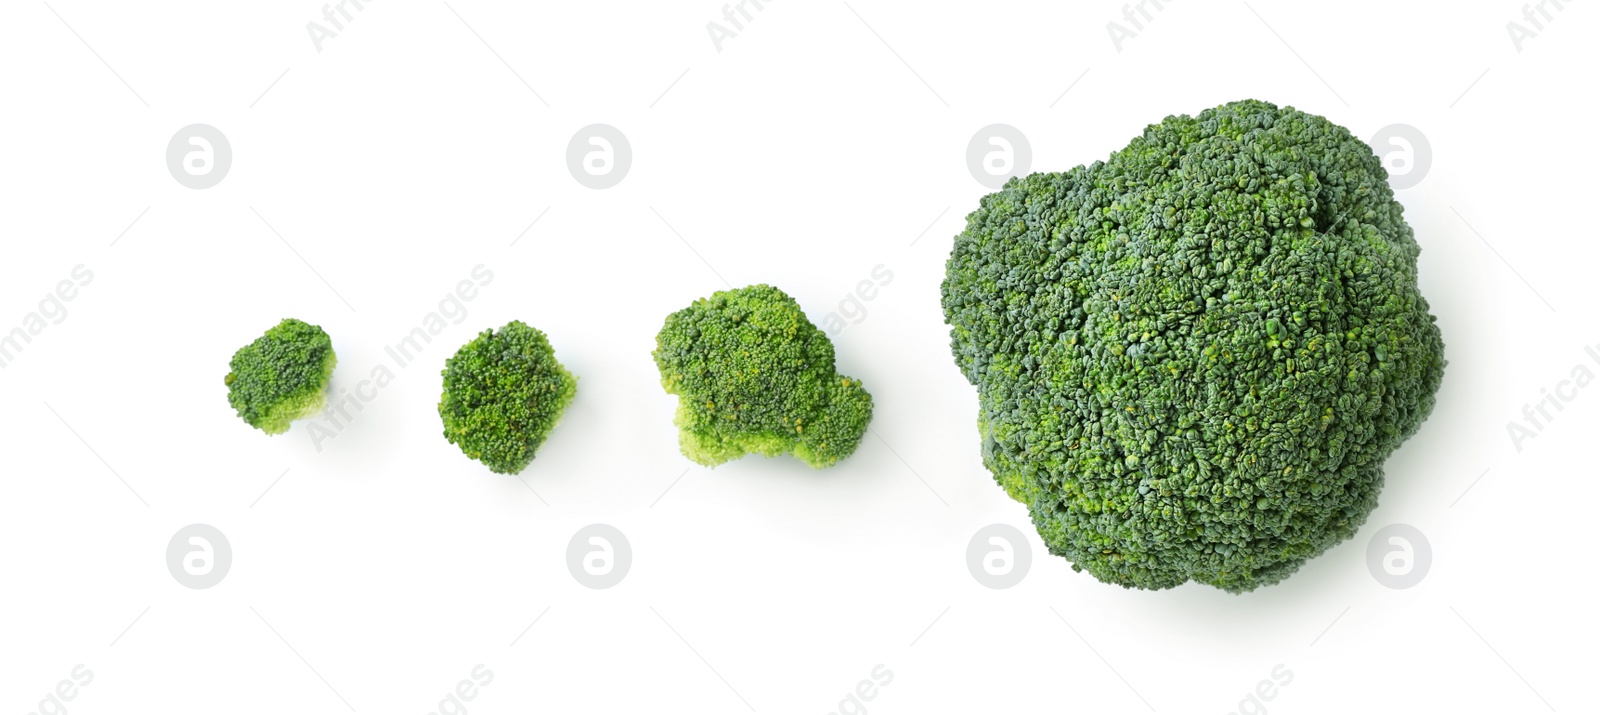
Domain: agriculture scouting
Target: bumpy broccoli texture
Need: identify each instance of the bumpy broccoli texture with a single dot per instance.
(282, 376)
(753, 375)
(1193, 358)
(503, 393)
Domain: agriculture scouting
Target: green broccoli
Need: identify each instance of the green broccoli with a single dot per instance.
(282, 376)
(1193, 358)
(503, 393)
(754, 375)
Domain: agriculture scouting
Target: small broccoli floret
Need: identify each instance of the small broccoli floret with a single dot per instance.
(1193, 358)
(282, 376)
(753, 375)
(503, 393)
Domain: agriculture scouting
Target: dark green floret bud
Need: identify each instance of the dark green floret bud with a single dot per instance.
(503, 394)
(1194, 357)
(282, 376)
(755, 376)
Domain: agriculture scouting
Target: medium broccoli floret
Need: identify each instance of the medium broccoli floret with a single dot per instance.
(282, 376)
(503, 393)
(753, 375)
(1193, 358)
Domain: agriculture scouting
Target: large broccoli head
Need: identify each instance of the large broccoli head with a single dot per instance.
(282, 376)
(754, 375)
(1192, 359)
(503, 393)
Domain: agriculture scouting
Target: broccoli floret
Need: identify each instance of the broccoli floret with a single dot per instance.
(282, 376)
(752, 374)
(503, 393)
(1193, 358)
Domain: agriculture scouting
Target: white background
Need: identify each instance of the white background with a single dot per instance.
(820, 142)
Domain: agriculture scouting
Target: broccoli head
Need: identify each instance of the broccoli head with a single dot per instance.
(1193, 358)
(503, 393)
(282, 376)
(752, 374)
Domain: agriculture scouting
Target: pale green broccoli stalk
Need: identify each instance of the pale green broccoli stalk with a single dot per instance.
(503, 394)
(1193, 358)
(282, 376)
(753, 375)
